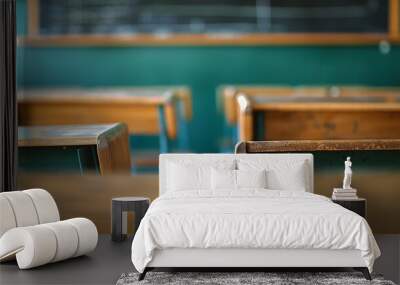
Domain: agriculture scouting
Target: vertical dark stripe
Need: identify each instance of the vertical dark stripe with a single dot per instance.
(259, 126)
(163, 138)
(8, 106)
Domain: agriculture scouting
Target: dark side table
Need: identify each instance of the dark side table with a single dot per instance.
(358, 206)
(120, 206)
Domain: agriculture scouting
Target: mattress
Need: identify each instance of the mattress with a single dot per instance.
(250, 219)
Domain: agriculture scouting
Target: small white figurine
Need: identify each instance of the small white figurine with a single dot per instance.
(347, 174)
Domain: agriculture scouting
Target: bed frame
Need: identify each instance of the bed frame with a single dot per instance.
(246, 259)
(237, 259)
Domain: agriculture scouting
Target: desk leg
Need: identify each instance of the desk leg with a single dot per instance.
(163, 136)
(183, 135)
(88, 160)
(259, 126)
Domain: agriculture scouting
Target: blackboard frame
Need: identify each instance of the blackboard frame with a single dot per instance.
(34, 38)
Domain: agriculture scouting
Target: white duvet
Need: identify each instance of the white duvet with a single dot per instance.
(250, 219)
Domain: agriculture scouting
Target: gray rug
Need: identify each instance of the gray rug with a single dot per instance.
(269, 278)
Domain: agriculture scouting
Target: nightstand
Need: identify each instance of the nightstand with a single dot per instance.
(358, 206)
(120, 206)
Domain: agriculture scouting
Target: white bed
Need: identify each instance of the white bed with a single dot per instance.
(251, 226)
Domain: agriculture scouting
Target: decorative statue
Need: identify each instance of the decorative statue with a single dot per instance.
(347, 174)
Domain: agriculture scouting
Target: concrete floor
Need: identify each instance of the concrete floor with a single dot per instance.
(110, 260)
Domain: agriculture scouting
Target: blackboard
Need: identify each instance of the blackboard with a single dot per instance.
(212, 16)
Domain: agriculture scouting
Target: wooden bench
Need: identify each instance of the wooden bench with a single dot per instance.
(227, 94)
(262, 119)
(313, 112)
(376, 171)
(101, 149)
(152, 111)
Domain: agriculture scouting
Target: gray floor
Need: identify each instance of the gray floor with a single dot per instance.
(103, 266)
(110, 260)
(389, 262)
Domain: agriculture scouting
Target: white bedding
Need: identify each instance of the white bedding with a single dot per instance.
(250, 219)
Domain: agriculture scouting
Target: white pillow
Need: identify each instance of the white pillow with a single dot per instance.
(282, 174)
(236, 179)
(186, 177)
(193, 175)
(251, 178)
(223, 179)
(292, 179)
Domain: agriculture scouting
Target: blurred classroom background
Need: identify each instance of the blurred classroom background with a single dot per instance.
(105, 86)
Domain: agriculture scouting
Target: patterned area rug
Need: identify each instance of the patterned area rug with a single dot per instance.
(273, 278)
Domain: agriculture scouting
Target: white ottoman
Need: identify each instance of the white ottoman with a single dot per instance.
(31, 232)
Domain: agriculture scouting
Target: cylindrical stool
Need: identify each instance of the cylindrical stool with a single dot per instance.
(120, 207)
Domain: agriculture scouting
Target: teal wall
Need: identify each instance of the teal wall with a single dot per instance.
(203, 69)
